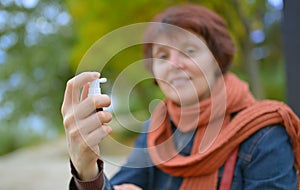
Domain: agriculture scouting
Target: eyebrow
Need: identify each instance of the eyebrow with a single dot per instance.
(160, 46)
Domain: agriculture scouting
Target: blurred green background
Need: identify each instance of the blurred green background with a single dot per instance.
(42, 43)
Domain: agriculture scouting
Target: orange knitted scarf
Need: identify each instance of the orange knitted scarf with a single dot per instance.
(217, 135)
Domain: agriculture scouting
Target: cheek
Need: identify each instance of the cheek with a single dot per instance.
(159, 71)
(160, 75)
(206, 66)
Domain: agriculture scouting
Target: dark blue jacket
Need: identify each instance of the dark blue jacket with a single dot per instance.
(265, 161)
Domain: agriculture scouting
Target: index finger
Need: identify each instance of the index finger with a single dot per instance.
(72, 93)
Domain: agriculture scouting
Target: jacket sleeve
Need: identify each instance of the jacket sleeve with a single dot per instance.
(136, 170)
(270, 161)
(93, 184)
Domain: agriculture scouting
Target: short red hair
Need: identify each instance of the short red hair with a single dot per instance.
(201, 21)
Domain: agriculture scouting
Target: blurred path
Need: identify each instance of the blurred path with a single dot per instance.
(42, 167)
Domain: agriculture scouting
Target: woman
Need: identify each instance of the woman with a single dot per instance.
(209, 133)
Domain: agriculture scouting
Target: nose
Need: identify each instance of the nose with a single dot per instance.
(176, 59)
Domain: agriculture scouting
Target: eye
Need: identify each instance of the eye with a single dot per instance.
(161, 55)
(190, 50)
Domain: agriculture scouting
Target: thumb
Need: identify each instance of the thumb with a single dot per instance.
(85, 92)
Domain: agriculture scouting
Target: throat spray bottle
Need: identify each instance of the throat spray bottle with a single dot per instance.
(95, 89)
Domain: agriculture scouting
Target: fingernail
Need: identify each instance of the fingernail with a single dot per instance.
(96, 74)
(108, 129)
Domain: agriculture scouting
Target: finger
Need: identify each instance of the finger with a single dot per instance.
(94, 121)
(117, 187)
(67, 98)
(84, 115)
(95, 137)
(73, 89)
(85, 92)
(79, 81)
(127, 186)
(120, 187)
(89, 105)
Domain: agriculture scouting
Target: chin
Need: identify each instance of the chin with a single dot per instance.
(184, 102)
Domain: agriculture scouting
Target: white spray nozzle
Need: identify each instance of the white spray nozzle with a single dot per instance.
(95, 88)
(102, 80)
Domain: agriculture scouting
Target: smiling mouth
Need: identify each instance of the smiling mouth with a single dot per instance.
(180, 81)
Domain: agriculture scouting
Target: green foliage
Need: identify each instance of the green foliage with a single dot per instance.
(45, 53)
(274, 80)
(33, 72)
(94, 19)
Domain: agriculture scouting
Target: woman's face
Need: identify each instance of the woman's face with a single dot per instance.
(184, 68)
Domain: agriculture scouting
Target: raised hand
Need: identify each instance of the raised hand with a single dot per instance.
(84, 127)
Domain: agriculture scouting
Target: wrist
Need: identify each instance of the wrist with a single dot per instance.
(89, 172)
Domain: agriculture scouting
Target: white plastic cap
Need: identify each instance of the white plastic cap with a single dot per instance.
(95, 88)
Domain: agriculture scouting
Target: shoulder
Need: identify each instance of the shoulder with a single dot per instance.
(266, 144)
(141, 141)
(146, 126)
(265, 140)
(266, 160)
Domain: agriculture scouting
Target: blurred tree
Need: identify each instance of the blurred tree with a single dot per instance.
(254, 26)
(36, 36)
(93, 20)
(35, 39)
